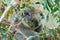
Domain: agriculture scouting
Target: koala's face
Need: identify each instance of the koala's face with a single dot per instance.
(30, 17)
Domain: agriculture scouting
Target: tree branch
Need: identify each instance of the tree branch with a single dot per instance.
(6, 10)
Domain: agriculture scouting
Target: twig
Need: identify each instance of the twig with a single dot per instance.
(5, 12)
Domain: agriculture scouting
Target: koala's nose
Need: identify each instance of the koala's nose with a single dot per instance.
(35, 22)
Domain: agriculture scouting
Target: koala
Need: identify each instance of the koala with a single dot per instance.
(31, 18)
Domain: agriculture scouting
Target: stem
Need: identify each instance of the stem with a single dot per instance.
(5, 12)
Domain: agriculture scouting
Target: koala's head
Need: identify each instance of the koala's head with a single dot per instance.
(31, 17)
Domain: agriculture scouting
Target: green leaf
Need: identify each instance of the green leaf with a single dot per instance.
(10, 37)
(22, 6)
(58, 30)
(46, 5)
(57, 2)
(37, 3)
(12, 8)
(5, 5)
(6, 28)
(0, 12)
(55, 9)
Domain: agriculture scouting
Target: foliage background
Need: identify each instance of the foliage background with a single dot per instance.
(51, 23)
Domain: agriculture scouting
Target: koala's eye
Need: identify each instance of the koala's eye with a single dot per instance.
(41, 15)
(26, 13)
(22, 14)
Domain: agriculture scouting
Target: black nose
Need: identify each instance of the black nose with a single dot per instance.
(35, 22)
